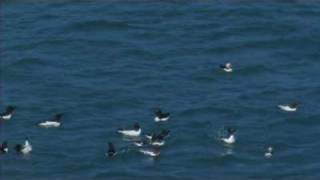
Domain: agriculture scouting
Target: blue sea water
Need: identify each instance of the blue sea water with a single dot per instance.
(107, 64)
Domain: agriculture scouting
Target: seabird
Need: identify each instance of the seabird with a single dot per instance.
(269, 152)
(230, 139)
(8, 113)
(289, 108)
(54, 122)
(4, 147)
(161, 116)
(136, 131)
(157, 140)
(226, 67)
(164, 133)
(24, 149)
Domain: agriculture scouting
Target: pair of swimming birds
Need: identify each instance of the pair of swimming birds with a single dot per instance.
(153, 152)
(154, 140)
(53, 122)
(25, 148)
(136, 130)
(230, 139)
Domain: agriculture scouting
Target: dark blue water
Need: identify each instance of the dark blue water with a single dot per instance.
(107, 64)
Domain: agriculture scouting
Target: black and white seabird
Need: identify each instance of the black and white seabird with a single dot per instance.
(226, 67)
(111, 150)
(4, 147)
(164, 133)
(136, 131)
(8, 113)
(269, 152)
(161, 116)
(26, 148)
(157, 140)
(289, 107)
(230, 139)
(54, 122)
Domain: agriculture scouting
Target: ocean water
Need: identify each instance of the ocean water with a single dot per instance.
(108, 64)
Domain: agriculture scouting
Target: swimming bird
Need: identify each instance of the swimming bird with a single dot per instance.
(157, 140)
(150, 152)
(136, 131)
(24, 149)
(289, 107)
(230, 139)
(111, 151)
(269, 152)
(54, 122)
(4, 147)
(226, 67)
(161, 116)
(164, 133)
(8, 113)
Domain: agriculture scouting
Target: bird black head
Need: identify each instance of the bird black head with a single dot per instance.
(136, 126)
(18, 148)
(158, 111)
(4, 144)
(58, 116)
(222, 66)
(293, 105)
(10, 109)
(4, 147)
(231, 130)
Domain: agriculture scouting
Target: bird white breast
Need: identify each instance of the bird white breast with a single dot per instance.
(6, 117)
(268, 154)
(6, 150)
(287, 108)
(227, 69)
(229, 140)
(157, 119)
(158, 143)
(130, 132)
(27, 148)
(48, 124)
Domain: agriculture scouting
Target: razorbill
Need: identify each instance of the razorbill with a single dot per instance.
(26, 148)
(54, 122)
(226, 67)
(269, 152)
(8, 113)
(164, 133)
(4, 147)
(161, 116)
(230, 139)
(157, 140)
(136, 131)
(289, 107)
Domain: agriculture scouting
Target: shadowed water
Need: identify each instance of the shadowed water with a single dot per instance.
(108, 64)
